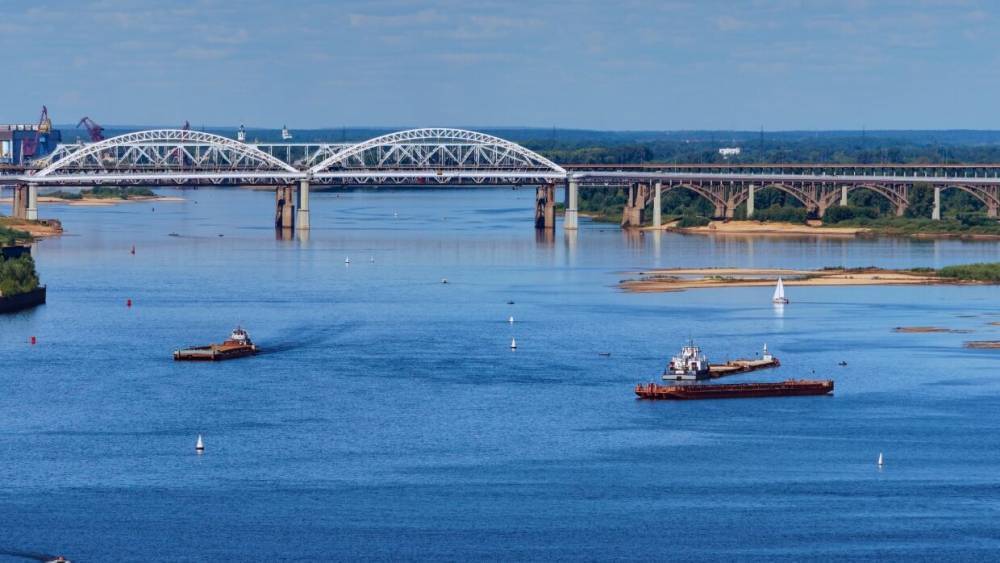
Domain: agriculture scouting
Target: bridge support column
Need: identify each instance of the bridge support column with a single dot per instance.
(545, 207)
(991, 210)
(751, 201)
(936, 213)
(19, 207)
(31, 213)
(284, 207)
(302, 216)
(843, 196)
(658, 205)
(572, 201)
(635, 204)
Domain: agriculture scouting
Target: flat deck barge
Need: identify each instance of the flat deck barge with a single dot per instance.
(238, 346)
(787, 388)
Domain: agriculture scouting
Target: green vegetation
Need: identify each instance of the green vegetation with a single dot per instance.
(105, 192)
(985, 272)
(17, 275)
(964, 224)
(688, 221)
(10, 236)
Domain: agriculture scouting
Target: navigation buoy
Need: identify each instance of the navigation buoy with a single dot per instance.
(33, 340)
(128, 302)
(880, 462)
(199, 446)
(513, 344)
(347, 260)
(511, 319)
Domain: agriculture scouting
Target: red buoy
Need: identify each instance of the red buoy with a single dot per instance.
(128, 303)
(32, 340)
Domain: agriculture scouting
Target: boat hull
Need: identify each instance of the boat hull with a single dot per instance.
(214, 353)
(789, 388)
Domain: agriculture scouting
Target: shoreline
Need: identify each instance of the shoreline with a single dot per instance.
(664, 280)
(97, 201)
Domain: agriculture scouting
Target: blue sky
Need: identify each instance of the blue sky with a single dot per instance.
(673, 64)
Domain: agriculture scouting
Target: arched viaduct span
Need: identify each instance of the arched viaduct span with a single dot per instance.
(438, 156)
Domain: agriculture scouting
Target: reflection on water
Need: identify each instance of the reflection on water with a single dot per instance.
(387, 417)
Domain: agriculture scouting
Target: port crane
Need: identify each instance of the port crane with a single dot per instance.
(96, 131)
(30, 146)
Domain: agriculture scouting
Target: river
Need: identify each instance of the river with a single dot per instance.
(388, 418)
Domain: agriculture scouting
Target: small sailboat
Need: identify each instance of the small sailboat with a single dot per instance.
(779, 294)
(347, 260)
(880, 463)
(199, 446)
(444, 280)
(372, 260)
(133, 249)
(513, 344)
(510, 319)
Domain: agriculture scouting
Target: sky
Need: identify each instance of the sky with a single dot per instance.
(626, 65)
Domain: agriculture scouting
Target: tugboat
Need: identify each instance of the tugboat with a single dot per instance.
(237, 346)
(690, 364)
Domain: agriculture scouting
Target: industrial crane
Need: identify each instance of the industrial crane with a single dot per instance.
(30, 146)
(95, 130)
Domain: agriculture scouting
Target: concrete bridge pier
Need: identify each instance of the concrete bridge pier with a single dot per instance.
(658, 205)
(545, 207)
(284, 207)
(936, 213)
(843, 196)
(635, 204)
(302, 216)
(31, 213)
(751, 201)
(572, 203)
(19, 207)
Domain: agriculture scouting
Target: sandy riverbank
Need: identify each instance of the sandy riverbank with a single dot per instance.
(37, 229)
(765, 228)
(681, 279)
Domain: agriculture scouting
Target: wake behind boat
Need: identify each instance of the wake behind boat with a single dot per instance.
(237, 346)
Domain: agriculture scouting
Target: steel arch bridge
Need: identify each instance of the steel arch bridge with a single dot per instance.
(442, 156)
(166, 156)
(438, 155)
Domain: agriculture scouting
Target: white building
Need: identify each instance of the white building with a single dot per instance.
(727, 152)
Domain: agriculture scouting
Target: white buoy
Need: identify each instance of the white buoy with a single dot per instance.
(199, 446)
(347, 260)
(513, 344)
(511, 319)
(880, 463)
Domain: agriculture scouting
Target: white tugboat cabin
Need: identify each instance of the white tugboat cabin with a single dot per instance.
(689, 365)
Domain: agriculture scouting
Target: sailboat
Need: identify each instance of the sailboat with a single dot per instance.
(779, 294)
(199, 446)
(513, 344)
(880, 464)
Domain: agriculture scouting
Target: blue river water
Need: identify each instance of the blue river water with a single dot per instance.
(389, 419)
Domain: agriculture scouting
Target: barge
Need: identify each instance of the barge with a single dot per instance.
(237, 346)
(787, 388)
(692, 364)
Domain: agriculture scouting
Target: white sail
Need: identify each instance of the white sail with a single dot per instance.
(513, 344)
(199, 445)
(779, 293)
(880, 459)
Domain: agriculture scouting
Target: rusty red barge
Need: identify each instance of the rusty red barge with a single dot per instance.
(787, 388)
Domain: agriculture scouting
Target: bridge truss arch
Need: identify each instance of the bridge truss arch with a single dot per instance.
(437, 155)
(167, 156)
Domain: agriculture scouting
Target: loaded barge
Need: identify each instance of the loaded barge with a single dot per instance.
(237, 346)
(787, 388)
(692, 364)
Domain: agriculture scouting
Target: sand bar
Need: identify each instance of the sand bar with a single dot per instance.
(681, 279)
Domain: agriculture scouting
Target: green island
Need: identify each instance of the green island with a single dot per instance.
(104, 192)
